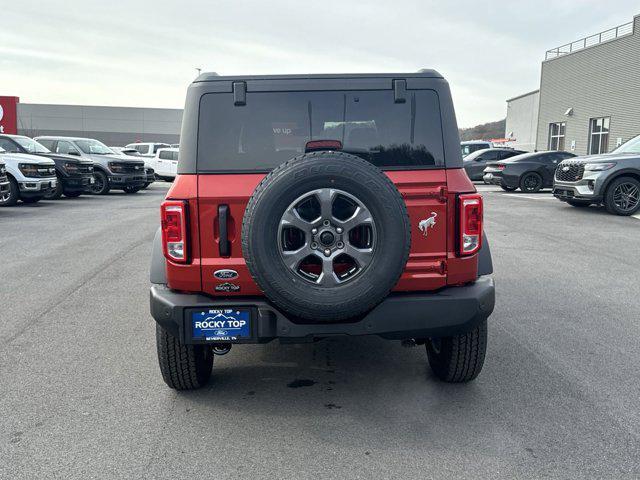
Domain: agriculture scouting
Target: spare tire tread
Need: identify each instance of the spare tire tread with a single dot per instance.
(305, 307)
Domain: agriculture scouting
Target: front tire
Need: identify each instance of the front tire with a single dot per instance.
(623, 196)
(11, 198)
(183, 367)
(101, 184)
(458, 358)
(56, 193)
(531, 182)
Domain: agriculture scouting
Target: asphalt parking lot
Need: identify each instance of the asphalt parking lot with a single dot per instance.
(82, 395)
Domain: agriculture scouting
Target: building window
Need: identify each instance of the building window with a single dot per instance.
(599, 135)
(556, 135)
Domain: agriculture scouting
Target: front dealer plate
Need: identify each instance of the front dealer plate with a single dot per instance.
(221, 325)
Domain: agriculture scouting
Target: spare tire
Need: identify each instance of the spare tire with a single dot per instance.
(326, 236)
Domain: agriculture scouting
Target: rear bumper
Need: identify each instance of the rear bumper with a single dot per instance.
(500, 179)
(447, 312)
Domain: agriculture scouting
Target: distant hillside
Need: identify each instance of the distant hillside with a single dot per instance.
(486, 131)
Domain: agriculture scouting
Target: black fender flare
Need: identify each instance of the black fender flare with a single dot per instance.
(485, 263)
(158, 270)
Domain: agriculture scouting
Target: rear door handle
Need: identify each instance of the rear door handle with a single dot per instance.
(224, 245)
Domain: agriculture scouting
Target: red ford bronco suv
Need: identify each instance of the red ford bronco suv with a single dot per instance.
(308, 206)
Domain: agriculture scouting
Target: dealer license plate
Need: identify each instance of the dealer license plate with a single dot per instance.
(221, 325)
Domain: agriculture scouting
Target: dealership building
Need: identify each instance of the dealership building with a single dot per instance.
(116, 126)
(589, 96)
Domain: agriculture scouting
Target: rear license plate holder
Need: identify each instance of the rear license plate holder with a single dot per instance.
(221, 325)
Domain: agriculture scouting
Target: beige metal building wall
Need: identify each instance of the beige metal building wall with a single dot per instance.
(602, 80)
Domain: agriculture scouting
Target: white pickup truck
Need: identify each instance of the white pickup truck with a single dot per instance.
(30, 177)
(165, 163)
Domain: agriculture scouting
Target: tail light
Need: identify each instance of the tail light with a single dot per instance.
(501, 167)
(470, 227)
(175, 244)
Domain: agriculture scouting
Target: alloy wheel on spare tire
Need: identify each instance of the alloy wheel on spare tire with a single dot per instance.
(326, 236)
(531, 182)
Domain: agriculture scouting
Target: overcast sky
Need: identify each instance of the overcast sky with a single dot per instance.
(144, 53)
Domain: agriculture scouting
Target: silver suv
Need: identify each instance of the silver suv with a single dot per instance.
(611, 179)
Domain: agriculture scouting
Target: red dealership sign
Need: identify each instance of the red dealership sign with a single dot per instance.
(9, 115)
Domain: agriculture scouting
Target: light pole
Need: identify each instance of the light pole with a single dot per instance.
(199, 70)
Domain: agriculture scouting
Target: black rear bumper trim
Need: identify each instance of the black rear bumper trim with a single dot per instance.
(446, 312)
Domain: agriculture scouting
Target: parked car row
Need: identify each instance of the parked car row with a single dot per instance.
(48, 167)
(611, 179)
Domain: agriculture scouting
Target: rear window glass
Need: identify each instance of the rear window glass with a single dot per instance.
(274, 126)
(168, 155)
(158, 146)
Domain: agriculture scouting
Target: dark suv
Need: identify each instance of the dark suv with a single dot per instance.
(320, 205)
(75, 175)
(611, 179)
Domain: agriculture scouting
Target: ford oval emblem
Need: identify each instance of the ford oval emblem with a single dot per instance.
(225, 274)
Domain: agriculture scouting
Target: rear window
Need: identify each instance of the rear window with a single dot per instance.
(168, 155)
(275, 126)
(158, 146)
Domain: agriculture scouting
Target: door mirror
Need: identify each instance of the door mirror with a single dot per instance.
(73, 152)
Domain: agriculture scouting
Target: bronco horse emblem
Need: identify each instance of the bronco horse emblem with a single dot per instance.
(427, 223)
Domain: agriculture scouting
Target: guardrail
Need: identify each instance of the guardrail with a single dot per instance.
(590, 41)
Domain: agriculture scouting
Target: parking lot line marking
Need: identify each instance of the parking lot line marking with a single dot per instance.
(511, 195)
(636, 216)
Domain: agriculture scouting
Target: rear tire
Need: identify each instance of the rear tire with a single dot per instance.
(531, 182)
(131, 189)
(183, 367)
(56, 193)
(32, 199)
(11, 198)
(458, 358)
(508, 189)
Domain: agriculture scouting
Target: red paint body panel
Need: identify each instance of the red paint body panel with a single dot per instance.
(432, 263)
(9, 115)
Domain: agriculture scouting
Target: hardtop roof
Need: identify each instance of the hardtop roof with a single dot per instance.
(214, 77)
